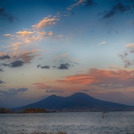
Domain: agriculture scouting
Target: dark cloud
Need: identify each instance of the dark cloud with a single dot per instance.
(1, 82)
(89, 3)
(64, 66)
(3, 57)
(5, 64)
(43, 67)
(17, 63)
(127, 58)
(1, 70)
(19, 60)
(119, 7)
(13, 91)
(38, 66)
(54, 67)
(14, 64)
(9, 17)
(54, 91)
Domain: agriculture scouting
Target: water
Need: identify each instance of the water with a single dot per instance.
(69, 122)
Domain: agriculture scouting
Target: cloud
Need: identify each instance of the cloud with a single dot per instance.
(17, 63)
(28, 56)
(16, 45)
(1, 70)
(104, 42)
(127, 57)
(10, 35)
(41, 85)
(50, 89)
(3, 53)
(17, 55)
(1, 82)
(127, 62)
(64, 66)
(5, 65)
(83, 2)
(61, 56)
(130, 47)
(3, 57)
(31, 35)
(106, 79)
(45, 22)
(13, 91)
(54, 91)
(9, 17)
(118, 8)
(76, 4)
(14, 64)
(24, 33)
(20, 59)
(115, 67)
(43, 67)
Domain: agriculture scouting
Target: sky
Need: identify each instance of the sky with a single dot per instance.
(66, 46)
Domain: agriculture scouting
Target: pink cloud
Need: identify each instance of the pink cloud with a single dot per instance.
(102, 78)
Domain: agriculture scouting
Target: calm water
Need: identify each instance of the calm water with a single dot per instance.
(71, 123)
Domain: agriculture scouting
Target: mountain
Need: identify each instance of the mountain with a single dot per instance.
(76, 102)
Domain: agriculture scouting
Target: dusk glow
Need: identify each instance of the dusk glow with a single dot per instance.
(66, 46)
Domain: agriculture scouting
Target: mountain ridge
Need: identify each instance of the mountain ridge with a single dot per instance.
(77, 101)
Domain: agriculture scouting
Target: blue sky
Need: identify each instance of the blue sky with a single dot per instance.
(66, 46)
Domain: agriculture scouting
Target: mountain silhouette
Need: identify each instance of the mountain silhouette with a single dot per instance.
(77, 101)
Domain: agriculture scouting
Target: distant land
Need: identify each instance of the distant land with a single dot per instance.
(76, 102)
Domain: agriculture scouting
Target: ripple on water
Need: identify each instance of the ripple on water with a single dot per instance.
(69, 123)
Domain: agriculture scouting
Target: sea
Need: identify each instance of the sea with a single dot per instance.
(68, 122)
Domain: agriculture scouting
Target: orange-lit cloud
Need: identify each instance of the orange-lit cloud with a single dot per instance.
(27, 56)
(29, 36)
(42, 33)
(10, 35)
(16, 44)
(103, 78)
(76, 4)
(16, 52)
(3, 53)
(50, 33)
(130, 45)
(24, 33)
(45, 22)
